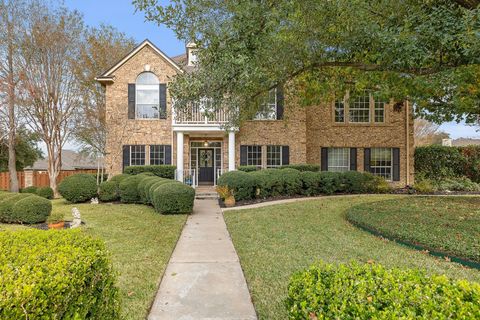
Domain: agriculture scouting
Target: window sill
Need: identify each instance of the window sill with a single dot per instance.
(362, 124)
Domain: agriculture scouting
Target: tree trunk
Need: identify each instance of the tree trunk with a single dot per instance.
(54, 168)
(12, 159)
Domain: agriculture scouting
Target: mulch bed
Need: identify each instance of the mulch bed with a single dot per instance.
(44, 226)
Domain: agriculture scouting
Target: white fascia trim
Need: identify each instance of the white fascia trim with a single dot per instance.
(134, 52)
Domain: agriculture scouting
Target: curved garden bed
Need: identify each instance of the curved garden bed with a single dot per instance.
(448, 226)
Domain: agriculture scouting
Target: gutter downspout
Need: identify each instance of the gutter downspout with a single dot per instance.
(407, 139)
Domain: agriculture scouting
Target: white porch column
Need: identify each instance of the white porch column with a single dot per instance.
(231, 151)
(180, 156)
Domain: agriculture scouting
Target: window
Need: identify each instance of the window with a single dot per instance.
(157, 154)
(137, 155)
(381, 162)
(379, 110)
(147, 96)
(339, 111)
(274, 156)
(359, 108)
(268, 109)
(254, 156)
(338, 159)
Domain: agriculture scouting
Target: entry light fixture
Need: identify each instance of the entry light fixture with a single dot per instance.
(205, 144)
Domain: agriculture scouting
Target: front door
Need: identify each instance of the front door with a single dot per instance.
(206, 169)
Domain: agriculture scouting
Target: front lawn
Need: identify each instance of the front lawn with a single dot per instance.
(275, 241)
(141, 242)
(447, 224)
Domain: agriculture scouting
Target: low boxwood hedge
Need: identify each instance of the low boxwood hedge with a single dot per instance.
(302, 167)
(162, 171)
(248, 168)
(142, 189)
(128, 188)
(172, 198)
(55, 275)
(108, 191)
(370, 291)
(242, 184)
(45, 192)
(78, 188)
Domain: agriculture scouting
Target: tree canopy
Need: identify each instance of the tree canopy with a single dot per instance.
(26, 150)
(425, 51)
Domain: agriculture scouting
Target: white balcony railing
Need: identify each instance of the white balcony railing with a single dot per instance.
(218, 174)
(200, 113)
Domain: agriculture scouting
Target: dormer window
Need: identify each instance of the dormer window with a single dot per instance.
(147, 96)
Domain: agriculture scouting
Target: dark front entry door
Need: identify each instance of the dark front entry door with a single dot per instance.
(206, 169)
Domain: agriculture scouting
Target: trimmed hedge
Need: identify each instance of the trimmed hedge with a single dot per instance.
(31, 189)
(45, 192)
(355, 291)
(129, 188)
(173, 198)
(302, 167)
(248, 168)
(24, 208)
(56, 275)
(290, 182)
(162, 171)
(108, 191)
(78, 188)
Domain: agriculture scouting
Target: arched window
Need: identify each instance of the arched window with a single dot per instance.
(147, 96)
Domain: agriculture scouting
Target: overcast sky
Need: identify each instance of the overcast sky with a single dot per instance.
(121, 14)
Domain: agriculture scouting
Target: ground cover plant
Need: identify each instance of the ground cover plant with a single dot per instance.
(140, 242)
(276, 241)
(370, 291)
(55, 275)
(445, 224)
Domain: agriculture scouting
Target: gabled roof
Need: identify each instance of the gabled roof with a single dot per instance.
(107, 75)
(71, 160)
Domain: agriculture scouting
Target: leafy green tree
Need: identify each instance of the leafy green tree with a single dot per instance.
(26, 150)
(424, 51)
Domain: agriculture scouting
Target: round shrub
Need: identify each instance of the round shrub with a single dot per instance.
(248, 168)
(141, 188)
(330, 182)
(119, 178)
(56, 275)
(310, 183)
(146, 188)
(173, 198)
(78, 187)
(357, 182)
(302, 167)
(31, 189)
(158, 184)
(32, 209)
(108, 191)
(241, 183)
(368, 291)
(45, 192)
(128, 189)
(6, 206)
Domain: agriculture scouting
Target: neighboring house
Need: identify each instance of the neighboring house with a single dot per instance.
(355, 133)
(462, 142)
(71, 161)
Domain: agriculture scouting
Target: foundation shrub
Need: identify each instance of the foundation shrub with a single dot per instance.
(56, 275)
(302, 167)
(173, 198)
(424, 186)
(163, 171)
(129, 188)
(248, 168)
(358, 182)
(456, 184)
(330, 182)
(291, 181)
(78, 188)
(108, 191)
(241, 183)
(158, 184)
(143, 191)
(371, 291)
(310, 183)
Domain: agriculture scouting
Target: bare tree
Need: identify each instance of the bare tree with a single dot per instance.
(52, 100)
(426, 133)
(12, 23)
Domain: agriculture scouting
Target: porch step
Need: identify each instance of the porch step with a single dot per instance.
(206, 195)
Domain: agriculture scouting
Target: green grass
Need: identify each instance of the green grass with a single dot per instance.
(274, 242)
(140, 242)
(447, 224)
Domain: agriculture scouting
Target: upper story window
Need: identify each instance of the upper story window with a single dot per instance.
(147, 96)
(268, 109)
(360, 108)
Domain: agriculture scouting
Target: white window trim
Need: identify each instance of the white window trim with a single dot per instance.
(391, 165)
(144, 155)
(281, 156)
(371, 112)
(150, 153)
(348, 159)
(261, 165)
(258, 115)
(151, 87)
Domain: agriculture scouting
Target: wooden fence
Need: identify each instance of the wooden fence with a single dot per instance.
(39, 178)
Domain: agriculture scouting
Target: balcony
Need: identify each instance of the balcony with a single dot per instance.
(201, 115)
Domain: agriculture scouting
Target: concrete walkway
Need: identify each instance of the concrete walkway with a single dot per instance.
(203, 279)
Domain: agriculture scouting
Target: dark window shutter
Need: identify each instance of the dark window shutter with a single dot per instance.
(396, 164)
(280, 102)
(131, 101)
(366, 160)
(168, 154)
(243, 155)
(324, 160)
(163, 100)
(126, 157)
(285, 155)
(353, 159)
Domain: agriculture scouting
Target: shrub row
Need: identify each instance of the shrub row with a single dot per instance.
(424, 185)
(357, 291)
(45, 192)
(289, 182)
(165, 195)
(55, 275)
(299, 167)
(23, 208)
(162, 171)
(439, 162)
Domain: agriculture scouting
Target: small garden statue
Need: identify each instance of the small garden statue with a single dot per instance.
(77, 221)
(94, 201)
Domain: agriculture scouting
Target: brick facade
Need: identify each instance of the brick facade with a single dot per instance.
(304, 129)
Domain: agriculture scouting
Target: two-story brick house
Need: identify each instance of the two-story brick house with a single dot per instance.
(359, 132)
